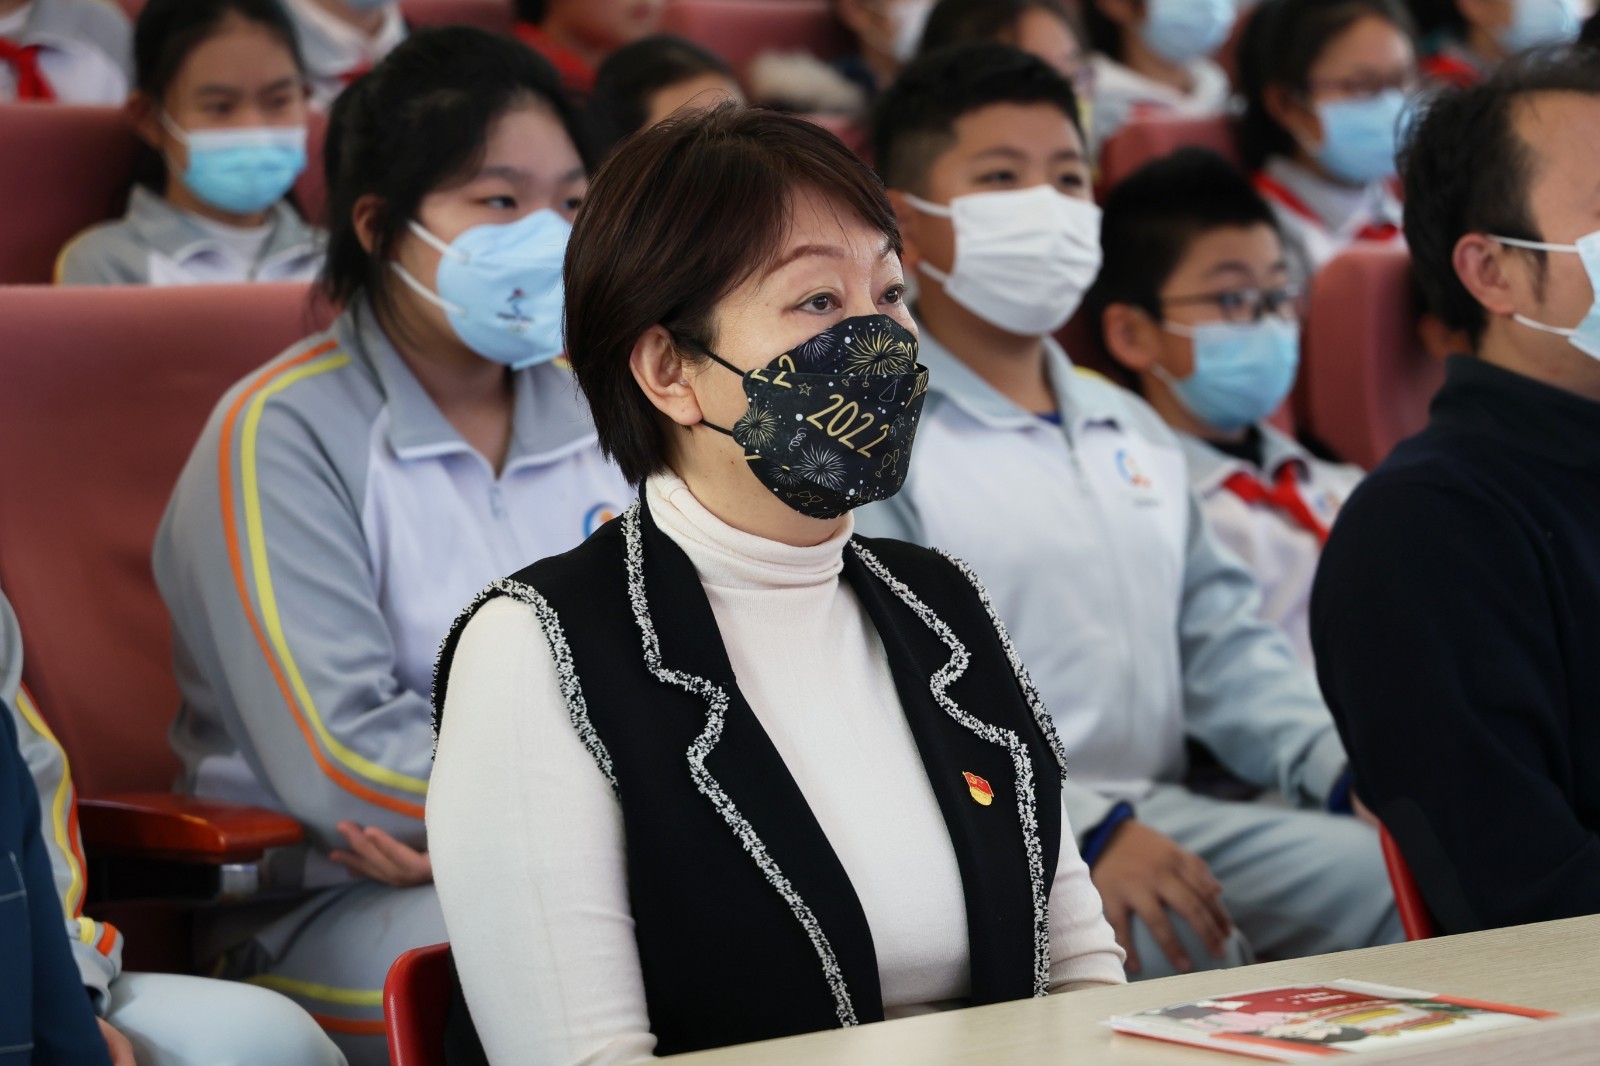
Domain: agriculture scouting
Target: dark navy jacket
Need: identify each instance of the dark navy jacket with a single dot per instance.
(45, 1018)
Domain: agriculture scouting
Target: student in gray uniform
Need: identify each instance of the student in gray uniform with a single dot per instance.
(165, 1019)
(64, 51)
(1070, 498)
(221, 100)
(347, 500)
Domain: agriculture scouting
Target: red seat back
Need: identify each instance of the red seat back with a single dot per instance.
(80, 167)
(1145, 139)
(416, 996)
(79, 163)
(103, 392)
(1367, 378)
(740, 30)
(1414, 916)
(497, 16)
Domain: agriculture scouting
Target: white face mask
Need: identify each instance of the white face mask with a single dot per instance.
(1024, 257)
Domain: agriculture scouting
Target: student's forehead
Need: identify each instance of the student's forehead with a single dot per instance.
(1032, 128)
(1256, 247)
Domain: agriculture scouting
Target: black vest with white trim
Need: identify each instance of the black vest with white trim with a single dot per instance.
(747, 925)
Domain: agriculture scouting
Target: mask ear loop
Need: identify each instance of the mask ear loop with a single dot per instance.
(1538, 246)
(418, 287)
(690, 342)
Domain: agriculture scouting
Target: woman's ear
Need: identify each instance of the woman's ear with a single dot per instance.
(662, 374)
(141, 114)
(907, 218)
(1128, 336)
(364, 217)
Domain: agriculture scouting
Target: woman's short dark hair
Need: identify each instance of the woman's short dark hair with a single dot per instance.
(1282, 42)
(1466, 170)
(633, 73)
(167, 31)
(682, 215)
(532, 11)
(960, 21)
(418, 122)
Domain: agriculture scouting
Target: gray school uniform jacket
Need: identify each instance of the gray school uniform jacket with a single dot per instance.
(327, 529)
(155, 243)
(96, 946)
(1137, 626)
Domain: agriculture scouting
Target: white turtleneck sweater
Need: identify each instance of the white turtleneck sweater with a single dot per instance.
(527, 839)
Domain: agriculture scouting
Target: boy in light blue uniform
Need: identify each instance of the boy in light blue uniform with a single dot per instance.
(1070, 498)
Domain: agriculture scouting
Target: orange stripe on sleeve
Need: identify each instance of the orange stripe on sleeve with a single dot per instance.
(231, 535)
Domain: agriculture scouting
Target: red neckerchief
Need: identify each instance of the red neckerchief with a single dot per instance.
(1275, 190)
(24, 59)
(576, 75)
(1283, 496)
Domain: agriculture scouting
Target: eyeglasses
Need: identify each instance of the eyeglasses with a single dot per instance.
(1243, 306)
(1362, 88)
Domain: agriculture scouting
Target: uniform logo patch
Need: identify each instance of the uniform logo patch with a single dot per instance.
(1128, 467)
(597, 516)
(978, 788)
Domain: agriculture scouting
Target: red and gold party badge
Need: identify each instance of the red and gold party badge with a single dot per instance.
(979, 788)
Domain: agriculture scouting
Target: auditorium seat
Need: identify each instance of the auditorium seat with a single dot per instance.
(416, 999)
(1366, 377)
(1146, 139)
(81, 165)
(1414, 916)
(496, 15)
(105, 391)
(740, 30)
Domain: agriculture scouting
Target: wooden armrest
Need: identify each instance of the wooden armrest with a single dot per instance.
(164, 825)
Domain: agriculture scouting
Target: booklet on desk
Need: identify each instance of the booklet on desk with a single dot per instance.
(1297, 1023)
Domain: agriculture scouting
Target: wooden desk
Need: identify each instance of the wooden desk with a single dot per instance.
(1554, 965)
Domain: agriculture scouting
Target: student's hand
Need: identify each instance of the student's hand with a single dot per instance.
(378, 856)
(120, 1047)
(1142, 872)
(1363, 812)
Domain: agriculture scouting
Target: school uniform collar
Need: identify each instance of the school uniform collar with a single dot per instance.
(52, 25)
(549, 418)
(1210, 468)
(1116, 79)
(175, 233)
(1341, 210)
(1524, 415)
(331, 46)
(951, 380)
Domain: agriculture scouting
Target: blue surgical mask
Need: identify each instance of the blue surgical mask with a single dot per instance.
(1181, 31)
(1360, 136)
(1539, 22)
(1242, 371)
(500, 286)
(242, 171)
(1585, 336)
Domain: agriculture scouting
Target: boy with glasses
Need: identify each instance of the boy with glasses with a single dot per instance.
(1194, 299)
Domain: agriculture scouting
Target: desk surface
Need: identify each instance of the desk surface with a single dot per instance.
(1554, 965)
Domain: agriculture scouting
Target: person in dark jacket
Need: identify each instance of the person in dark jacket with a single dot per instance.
(45, 1015)
(1456, 616)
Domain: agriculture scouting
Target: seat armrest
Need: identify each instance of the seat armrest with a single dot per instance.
(164, 825)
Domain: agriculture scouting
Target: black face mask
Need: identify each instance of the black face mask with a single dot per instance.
(830, 423)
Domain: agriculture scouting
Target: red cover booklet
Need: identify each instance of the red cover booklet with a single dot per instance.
(1301, 1022)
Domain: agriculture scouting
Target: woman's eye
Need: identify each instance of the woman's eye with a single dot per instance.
(572, 203)
(895, 294)
(505, 203)
(821, 303)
